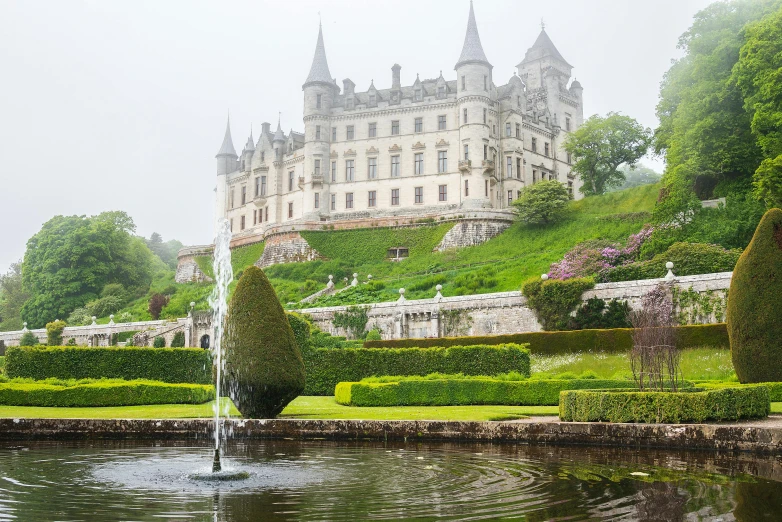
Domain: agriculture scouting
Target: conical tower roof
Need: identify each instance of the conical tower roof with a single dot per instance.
(227, 149)
(319, 72)
(279, 136)
(543, 47)
(472, 50)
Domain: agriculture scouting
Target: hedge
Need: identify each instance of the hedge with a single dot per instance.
(774, 388)
(103, 393)
(461, 392)
(725, 404)
(191, 365)
(614, 340)
(327, 367)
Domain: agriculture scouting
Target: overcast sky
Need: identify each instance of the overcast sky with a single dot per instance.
(121, 105)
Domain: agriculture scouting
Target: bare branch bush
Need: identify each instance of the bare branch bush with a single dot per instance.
(654, 358)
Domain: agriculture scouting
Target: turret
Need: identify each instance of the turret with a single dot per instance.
(278, 142)
(226, 157)
(247, 153)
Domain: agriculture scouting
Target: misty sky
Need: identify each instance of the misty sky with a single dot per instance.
(121, 105)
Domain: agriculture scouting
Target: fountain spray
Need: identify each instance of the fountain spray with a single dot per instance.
(218, 301)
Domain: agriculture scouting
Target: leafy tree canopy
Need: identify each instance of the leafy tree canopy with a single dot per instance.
(12, 297)
(543, 202)
(72, 258)
(601, 145)
(166, 251)
(637, 176)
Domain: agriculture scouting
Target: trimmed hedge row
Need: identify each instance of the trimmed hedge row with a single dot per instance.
(326, 368)
(615, 340)
(774, 388)
(462, 392)
(103, 393)
(191, 365)
(724, 404)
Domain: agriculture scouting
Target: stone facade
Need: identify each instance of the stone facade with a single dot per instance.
(471, 233)
(286, 247)
(187, 270)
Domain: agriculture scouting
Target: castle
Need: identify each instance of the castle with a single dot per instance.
(440, 148)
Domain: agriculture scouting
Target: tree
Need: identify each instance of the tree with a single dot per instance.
(12, 298)
(72, 258)
(54, 333)
(264, 369)
(637, 176)
(543, 202)
(156, 304)
(28, 339)
(601, 145)
(167, 251)
(754, 302)
(768, 182)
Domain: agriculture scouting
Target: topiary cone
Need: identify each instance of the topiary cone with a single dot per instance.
(754, 314)
(264, 370)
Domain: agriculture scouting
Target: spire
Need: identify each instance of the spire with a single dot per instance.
(228, 144)
(542, 48)
(250, 145)
(319, 72)
(472, 50)
(278, 136)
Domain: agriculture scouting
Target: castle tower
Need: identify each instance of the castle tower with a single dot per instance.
(476, 114)
(226, 163)
(319, 92)
(247, 153)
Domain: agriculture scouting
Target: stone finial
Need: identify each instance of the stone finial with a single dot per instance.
(355, 280)
(544, 277)
(439, 294)
(369, 277)
(93, 321)
(669, 276)
(24, 326)
(330, 284)
(111, 319)
(401, 295)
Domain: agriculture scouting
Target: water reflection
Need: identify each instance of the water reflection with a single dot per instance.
(329, 481)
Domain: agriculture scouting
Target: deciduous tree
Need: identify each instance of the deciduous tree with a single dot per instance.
(543, 202)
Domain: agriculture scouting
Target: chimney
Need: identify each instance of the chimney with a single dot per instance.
(396, 82)
(266, 128)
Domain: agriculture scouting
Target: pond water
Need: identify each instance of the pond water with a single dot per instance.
(109, 481)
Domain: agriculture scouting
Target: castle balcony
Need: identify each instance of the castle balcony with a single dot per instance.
(488, 170)
(317, 179)
(301, 182)
(259, 201)
(465, 166)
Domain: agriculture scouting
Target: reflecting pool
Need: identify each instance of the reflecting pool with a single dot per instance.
(108, 481)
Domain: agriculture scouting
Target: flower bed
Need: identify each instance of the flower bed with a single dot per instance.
(695, 405)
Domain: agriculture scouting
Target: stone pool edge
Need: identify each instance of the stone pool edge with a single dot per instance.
(725, 437)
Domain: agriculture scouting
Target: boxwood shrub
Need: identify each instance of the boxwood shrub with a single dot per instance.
(774, 388)
(724, 404)
(615, 340)
(459, 392)
(193, 365)
(102, 393)
(327, 367)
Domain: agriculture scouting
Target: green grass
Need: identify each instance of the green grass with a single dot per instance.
(697, 364)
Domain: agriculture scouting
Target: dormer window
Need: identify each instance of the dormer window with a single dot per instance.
(318, 102)
(418, 95)
(372, 99)
(263, 156)
(349, 103)
(441, 91)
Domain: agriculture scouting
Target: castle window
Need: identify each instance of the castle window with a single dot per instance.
(263, 185)
(317, 132)
(333, 134)
(333, 171)
(290, 210)
(509, 167)
(419, 124)
(518, 194)
(232, 224)
(466, 188)
(485, 152)
(546, 149)
(518, 168)
(485, 83)
(350, 170)
(349, 103)
(484, 116)
(372, 200)
(349, 200)
(518, 101)
(257, 187)
(372, 130)
(318, 102)
(486, 187)
(465, 116)
(333, 202)
(567, 123)
(232, 198)
(466, 152)
(418, 162)
(493, 130)
(441, 91)
(518, 130)
(372, 168)
(570, 188)
(534, 145)
(534, 176)
(419, 194)
(290, 180)
(255, 217)
(442, 193)
(395, 197)
(441, 122)
(510, 197)
(317, 167)
(349, 134)
(463, 83)
(569, 158)
(263, 156)
(418, 95)
(242, 224)
(442, 161)
(317, 200)
(372, 99)
(507, 130)
(394, 166)
(395, 127)
(266, 217)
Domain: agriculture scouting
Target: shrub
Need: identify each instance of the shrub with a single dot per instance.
(104, 306)
(459, 392)
(552, 343)
(554, 299)
(178, 341)
(192, 365)
(71, 342)
(301, 330)
(79, 317)
(156, 304)
(326, 368)
(594, 314)
(54, 333)
(28, 339)
(543, 202)
(159, 342)
(688, 259)
(353, 320)
(583, 260)
(102, 393)
(744, 402)
(374, 335)
(263, 369)
(755, 302)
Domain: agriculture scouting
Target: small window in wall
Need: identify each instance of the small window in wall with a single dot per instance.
(317, 132)
(350, 133)
(266, 212)
(350, 170)
(534, 176)
(244, 194)
(419, 125)
(373, 130)
(484, 116)
(418, 162)
(466, 188)
(257, 187)
(333, 134)
(466, 152)
(485, 83)
(518, 130)
(232, 198)
(372, 99)
(397, 253)
(510, 197)
(290, 180)
(333, 171)
(242, 223)
(441, 91)
(394, 197)
(394, 166)
(372, 168)
(418, 95)
(372, 198)
(508, 130)
(442, 161)
(485, 152)
(419, 194)
(318, 102)
(395, 127)
(546, 151)
(349, 200)
(255, 217)
(567, 123)
(463, 87)
(518, 168)
(486, 188)
(534, 144)
(441, 122)
(263, 185)
(442, 192)
(509, 167)
(465, 116)
(317, 200)
(290, 210)
(569, 158)
(317, 167)
(333, 202)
